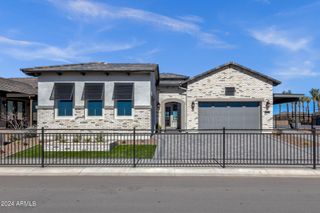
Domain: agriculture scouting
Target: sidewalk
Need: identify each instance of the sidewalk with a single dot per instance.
(107, 171)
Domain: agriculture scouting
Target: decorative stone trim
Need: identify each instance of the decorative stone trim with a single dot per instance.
(142, 107)
(45, 107)
(79, 107)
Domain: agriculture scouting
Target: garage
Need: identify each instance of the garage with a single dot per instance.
(231, 115)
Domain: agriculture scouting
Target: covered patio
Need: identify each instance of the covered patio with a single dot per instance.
(18, 101)
(288, 118)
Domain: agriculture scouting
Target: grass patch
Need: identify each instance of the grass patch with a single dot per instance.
(120, 151)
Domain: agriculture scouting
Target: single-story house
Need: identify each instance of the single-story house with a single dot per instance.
(18, 100)
(122, 96)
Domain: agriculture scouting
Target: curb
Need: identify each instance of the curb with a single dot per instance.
(170, 172)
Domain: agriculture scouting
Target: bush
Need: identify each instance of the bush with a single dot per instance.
(76, 139)
(99, 138)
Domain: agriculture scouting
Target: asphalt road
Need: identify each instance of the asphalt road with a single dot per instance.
(159, 194)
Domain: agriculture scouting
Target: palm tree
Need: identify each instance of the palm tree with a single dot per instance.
(304, 100)
(314, 95)
(287, 92)
(301, 106)
(318, 101)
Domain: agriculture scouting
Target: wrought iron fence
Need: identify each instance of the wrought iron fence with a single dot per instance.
(222, 148)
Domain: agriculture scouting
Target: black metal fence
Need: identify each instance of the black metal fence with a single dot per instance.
(222, 148)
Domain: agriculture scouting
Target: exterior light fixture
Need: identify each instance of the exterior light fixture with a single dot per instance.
(268, 104)
(192, 105)
(158, 105)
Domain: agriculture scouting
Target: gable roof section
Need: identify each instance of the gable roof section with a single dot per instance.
(172, 79)
(235, 66)
(31, 81)
(9, 85)
(93, 67)
(172, 76)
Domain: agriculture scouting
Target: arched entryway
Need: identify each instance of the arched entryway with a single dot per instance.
(173, 114)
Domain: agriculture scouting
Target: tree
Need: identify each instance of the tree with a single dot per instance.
(287, 104)
(304, 100)
(314, 95)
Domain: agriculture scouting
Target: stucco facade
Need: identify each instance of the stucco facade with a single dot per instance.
(144, 95)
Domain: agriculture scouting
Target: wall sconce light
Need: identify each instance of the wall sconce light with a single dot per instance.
(192, 105)
(158, 105)
(268, 104)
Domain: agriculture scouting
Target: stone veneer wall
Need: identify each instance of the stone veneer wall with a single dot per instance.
(141, 120)
(247, 87)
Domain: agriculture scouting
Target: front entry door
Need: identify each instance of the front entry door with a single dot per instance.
(172, 116)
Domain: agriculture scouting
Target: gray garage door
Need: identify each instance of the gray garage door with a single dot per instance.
(231, 115)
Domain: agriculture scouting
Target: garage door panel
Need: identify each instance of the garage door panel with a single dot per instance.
(232, 115)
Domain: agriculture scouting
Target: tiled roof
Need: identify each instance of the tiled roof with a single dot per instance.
(93, 66)
(172, 76)
(31, 81)
(9, 85)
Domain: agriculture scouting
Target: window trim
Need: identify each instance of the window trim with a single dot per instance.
(87, 116)
(123, 117)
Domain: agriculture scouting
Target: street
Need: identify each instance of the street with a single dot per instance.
(159, 194)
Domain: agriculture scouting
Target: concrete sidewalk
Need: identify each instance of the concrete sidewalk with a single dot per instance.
(112, 171)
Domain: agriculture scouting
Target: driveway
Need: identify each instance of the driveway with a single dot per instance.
(266, 149)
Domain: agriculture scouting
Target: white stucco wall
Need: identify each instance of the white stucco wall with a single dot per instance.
(142, 86)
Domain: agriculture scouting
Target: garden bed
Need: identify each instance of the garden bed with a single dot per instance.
(120, 151)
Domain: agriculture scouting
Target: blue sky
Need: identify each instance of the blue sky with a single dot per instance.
(277, 37)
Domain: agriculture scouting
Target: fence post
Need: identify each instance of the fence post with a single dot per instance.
(314, 134)
(223, 147)
(134, 146)
(42, 147)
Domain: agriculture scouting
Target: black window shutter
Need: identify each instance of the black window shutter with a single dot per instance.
(62, 91)
(93, 91)
(123, 91)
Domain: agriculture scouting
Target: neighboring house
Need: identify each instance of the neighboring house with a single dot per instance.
(123, 96)
(97, 95)
(18, 100)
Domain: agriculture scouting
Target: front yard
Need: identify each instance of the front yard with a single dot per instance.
(120, 151)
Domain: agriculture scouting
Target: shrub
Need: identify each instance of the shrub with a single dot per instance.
(99, 138)
(77, 139)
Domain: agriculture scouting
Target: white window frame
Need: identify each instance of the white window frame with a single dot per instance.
(93, 116)
(64, 117)
(123, 117)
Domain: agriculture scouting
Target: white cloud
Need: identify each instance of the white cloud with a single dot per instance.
(297, 70)
(273, 36)
(90, 9)
(192, 18)
(29, 50)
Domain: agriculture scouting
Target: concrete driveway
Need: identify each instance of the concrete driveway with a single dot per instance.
(253, 149)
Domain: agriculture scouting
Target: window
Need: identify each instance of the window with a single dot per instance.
(65, 107)
(94, 107)
(93, 94)
(62, 93)
(123, 96)
(229, 91)
(124, 107)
